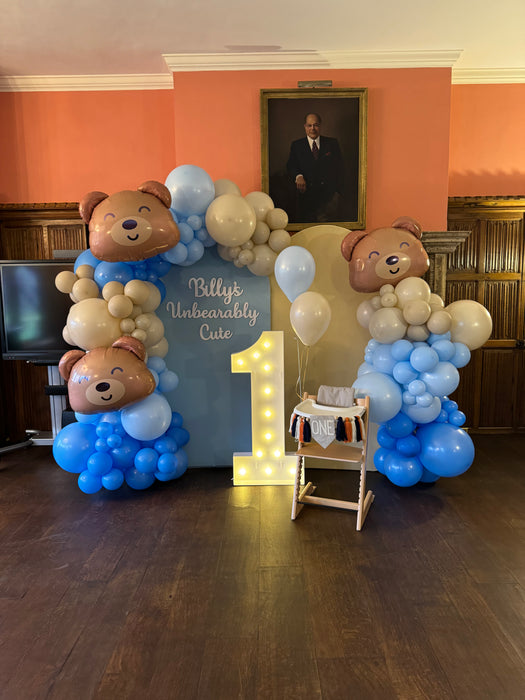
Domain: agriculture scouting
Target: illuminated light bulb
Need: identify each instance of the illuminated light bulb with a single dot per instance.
(259, 453)
(268, 414)
(268, 390)
(256, 355)
(268, 436)
(267, 368)
(242, 471)
(268, 470)
(277, 453)
(292, 470)
(240, 362)
(267, 345)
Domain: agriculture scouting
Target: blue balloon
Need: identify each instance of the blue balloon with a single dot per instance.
(168, 381)
(404, 373)
(168, 463)
(113, 480)
(423, 358)
(423, 414)
(408, 446)
(445, 349)
(403, 471)
(177, 254)
(138, 480)
(402, 349)
(73, 446)
(146, 460)
(162, 288)
(294, 271)
(124, 455)
(195, 222)
(157, 364)
(176, 420)
(379, 458)
(113, 272)
(87, 417)
(450, 405)
(399, 426)
(461, 355)
(192, 190)
(443, 379)
(99, 463)
(384, 392)
(158, 266)
(114, 441)
(446, 450)
(180, 435)
(89, 483)
(417, 387)
(383, 360)
(457, 418)
(148, 419)
(166, 444)
(428, 477)
(186, 233)
(364, 368)
(86, 258)
(384, 438)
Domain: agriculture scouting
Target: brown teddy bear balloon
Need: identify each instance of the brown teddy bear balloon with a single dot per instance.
(385, 255)
(107, 379)
(130, 225)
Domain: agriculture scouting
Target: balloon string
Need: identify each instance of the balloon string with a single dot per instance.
(302, 364)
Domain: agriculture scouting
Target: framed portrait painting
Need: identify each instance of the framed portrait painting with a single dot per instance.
(313, 154)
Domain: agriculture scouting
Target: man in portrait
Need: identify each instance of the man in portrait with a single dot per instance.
(316, 166)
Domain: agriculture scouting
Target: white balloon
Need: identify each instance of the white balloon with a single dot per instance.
(471, 323)
(310, 316)
(416, 312)
(364, 313)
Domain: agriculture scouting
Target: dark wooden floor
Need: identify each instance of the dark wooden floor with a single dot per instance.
(197, 589)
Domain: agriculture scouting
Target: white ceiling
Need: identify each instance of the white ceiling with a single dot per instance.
(148, 37)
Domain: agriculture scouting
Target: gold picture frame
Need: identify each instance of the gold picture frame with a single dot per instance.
(343, 113)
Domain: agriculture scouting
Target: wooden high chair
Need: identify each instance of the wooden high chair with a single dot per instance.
(340, 452)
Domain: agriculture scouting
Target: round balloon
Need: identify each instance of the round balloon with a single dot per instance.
(401, 470)
(294, 271)
(230, 220)
(310, 316)
(261, 203)
(384, 392)
(148, 419)
(90, 325)
(446, 450)
(192, 189)
(471, 323)
(387, 325)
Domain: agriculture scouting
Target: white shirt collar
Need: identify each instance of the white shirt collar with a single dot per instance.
(310, 141)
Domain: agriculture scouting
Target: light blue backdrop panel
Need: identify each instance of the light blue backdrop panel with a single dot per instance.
(211, 310)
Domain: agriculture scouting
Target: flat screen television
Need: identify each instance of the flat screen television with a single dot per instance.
(33, 312)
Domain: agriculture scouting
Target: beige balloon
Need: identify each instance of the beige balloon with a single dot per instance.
(230, 220)
(246, 257)
(277, 218)
(264, 261)
(416, 312)
(160, 349)
(127, 326)
(471, 323)
(387, 325)
(439, 322)
(111, 289)
(137, 290)
(388, 299)
(310, 316)
(261, 203)
(65, 280)
(410, 289)
(153, 300)
(85, 272)
(224, 186)
(120, 306)
(85, 289)
(417, 333)
(279, 240)
(90, 325)
(261, 233)
(364, 313)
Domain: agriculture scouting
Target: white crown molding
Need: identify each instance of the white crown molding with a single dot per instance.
(72, 83)
(310, 60)
(488, 75)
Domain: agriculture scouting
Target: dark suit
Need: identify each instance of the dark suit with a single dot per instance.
(324, 179)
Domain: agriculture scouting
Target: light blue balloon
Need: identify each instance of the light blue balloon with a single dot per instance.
(86, 258)
(195, 222)
(157, 364)
(404, 373)
(417, 387)
(148, 419)
(423, 358)
(186, 233)
(445, 349)
(445, 449)
(168, 381)
(177, 254)
(384, 392)
(423, 414)
(192, 190)
(383, 360)
(443, 379)
(425, 399)
(294, 271)
(401, 350)
(409, 398)
(364, 368)
(461, 356)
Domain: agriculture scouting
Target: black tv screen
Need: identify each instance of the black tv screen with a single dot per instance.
(33, 311)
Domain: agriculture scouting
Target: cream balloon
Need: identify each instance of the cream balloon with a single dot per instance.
(387, 325)
(246, 257)
(65, 280)
(230, 220)
(85, 288)
(261, 203)
(261, 233)
(364, 313)
(264, 261)
(410, 289)
(277, 218)
(160, 349)
(439, 321)
(120, 306)
(416, 312)
(417, 333)
(471, 323)
(153, 300)
(85, 272)
(224, 186)
(310, 316)
(90, 325)
(279, 240)
(111, 289)
(137, 290)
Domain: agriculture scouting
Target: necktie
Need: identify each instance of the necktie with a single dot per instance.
(315, 150)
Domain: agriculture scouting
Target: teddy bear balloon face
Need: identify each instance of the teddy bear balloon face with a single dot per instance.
(107, 379)
(385, 255)
(130, 225)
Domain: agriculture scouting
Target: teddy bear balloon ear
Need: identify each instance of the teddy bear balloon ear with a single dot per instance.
(67, 362)
(409, 224)
(349, 243)
(88, 202)
(127, 342)
(157, 189)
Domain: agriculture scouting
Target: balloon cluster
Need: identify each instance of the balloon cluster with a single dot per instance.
(410, 367)
(310, 312)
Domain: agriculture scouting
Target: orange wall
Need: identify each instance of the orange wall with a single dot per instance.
(487, 140)
(58, 146)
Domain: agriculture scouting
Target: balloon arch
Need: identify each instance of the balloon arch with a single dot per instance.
(125, 430)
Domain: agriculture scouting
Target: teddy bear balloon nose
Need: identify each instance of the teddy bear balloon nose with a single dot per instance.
(102, 387)
(392, 260)
(129, 224)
